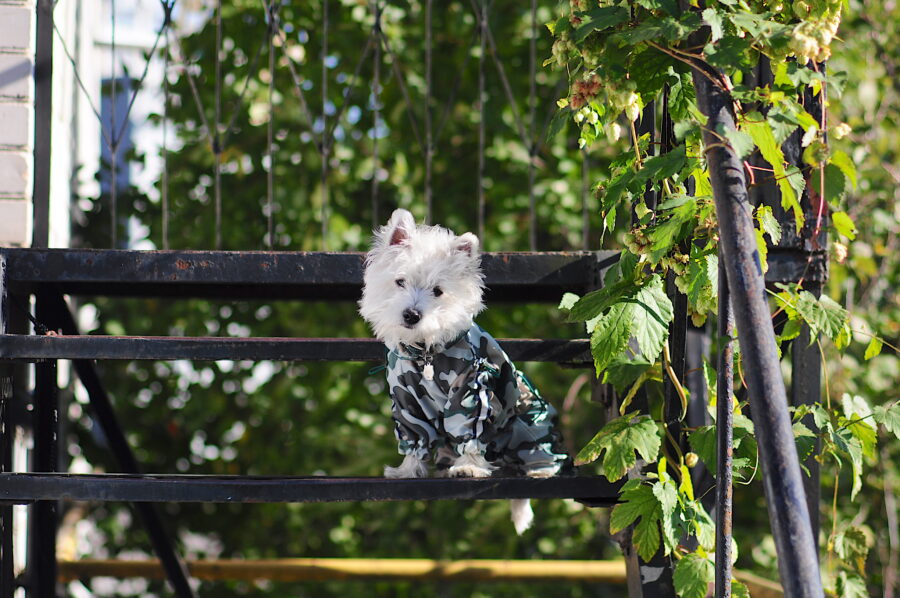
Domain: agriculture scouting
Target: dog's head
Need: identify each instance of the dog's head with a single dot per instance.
(422, 284)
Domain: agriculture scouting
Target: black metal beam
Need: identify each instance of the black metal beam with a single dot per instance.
(32, 347)
(531, 277)
(29, 487)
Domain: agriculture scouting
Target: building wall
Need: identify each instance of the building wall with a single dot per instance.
(16, 120)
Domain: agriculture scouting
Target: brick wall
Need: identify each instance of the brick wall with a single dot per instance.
(16, 120)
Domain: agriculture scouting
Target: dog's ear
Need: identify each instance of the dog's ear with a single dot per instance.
(467, 243)
(400, 227)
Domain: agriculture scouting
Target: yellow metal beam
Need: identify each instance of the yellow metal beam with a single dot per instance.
(388, 569)
(349, 569)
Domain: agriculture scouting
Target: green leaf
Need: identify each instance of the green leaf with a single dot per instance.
(596, 302)
(822, 315)
(610, 336)
(741, 143)
(836, 184)
(729, 52)
(641, 508)
(762, 250)
(651, 316)
(873, 348)
(667, 495)
(620, 439)
(559, 121)
(599, 19)
(669, 6)
(850, 585)
(850, 446)
(681, 98)
(716, 25)
(844, 224)
(756, 125)
(567, 301)
(677, 226)
(858, 415)
(889, 417)
(805, 441)
(739, 590)
(651, 69)
(769, 223)
(852, 546)
(703, 442)
(622, 373)
(662, 166)
(846, 165)
(692, 576)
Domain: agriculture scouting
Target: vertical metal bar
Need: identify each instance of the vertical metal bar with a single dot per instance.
(216, 136)
(482, 33)
(724, 436)
(43, 101)
(7, 430)
(114, 136)
(44, 517)
(585, 198)
(532, 137)
(429, 141)
(270, 135)
(176, 571)
(376, 107)
(806, 389)
(165, 138)
(326, 143)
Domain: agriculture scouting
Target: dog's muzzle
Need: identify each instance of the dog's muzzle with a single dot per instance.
(411, 317)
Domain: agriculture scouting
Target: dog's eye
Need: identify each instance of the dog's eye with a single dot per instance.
(400, 282)
(438, 291)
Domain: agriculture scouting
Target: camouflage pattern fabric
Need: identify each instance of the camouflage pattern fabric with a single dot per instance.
(477, 401)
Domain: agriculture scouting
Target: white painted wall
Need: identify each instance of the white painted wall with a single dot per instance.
(16, 118)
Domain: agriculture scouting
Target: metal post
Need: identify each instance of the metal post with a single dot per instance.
(43, 98)
(782, 478)
(806, 389)
(7, 429)
(44, 516)
(724, 437)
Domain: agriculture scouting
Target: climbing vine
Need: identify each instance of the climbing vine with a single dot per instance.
(768, 55)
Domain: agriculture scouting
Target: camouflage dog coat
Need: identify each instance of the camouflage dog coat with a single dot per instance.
(469, 397)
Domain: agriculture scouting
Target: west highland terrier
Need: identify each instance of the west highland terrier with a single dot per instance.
(456, 395)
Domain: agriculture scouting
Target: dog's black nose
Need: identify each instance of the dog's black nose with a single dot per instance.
(411, 317)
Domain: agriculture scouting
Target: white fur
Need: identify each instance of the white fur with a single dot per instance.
(471, 465)
(410, 468)
(424, 258)
(522, 515)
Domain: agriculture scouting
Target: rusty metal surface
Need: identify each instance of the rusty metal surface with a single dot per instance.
(514, 276)
(724, 437)
(34, 348)
(30, 487)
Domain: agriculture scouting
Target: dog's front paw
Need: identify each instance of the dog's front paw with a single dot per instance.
(544, 472)
(410, 468)
(470, 466)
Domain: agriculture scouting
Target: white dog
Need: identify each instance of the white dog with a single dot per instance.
(456, 395)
